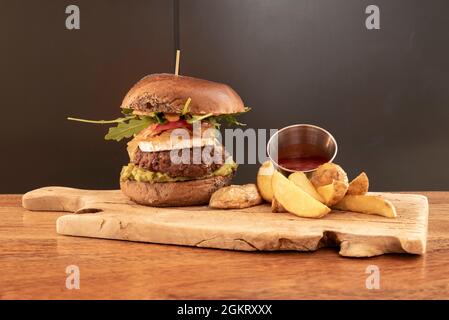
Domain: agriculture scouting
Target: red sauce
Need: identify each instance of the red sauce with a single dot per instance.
(302, 163)
(301, 157)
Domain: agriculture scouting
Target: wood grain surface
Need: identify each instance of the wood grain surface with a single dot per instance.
(111, 215)
(33, 260)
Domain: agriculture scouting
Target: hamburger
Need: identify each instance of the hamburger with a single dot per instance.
(175, 158)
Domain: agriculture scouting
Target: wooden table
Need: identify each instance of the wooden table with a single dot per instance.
(33, 261)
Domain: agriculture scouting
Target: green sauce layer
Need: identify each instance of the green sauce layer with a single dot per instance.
(135, 173)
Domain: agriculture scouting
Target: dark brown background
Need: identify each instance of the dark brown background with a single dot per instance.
(384, 94)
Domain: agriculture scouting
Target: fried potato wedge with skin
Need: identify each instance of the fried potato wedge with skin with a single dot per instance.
(295, 200)
(369, 204)
(359, 185)
(301, 180)
(327, 173)
(264, 180)
(236, 197)
(333, 193)
(276, 206)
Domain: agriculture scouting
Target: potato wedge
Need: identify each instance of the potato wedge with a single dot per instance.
(359, 185)
(333, 193)
(369, 204)
(327, 173)
(264, 180)
(295, 200)
(276, 206)
(301, 180)
(236, 197)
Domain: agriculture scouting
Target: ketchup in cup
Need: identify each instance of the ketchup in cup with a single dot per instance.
(305, 163)
(301, 147)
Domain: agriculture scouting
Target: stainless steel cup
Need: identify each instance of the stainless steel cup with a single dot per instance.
(299, 140)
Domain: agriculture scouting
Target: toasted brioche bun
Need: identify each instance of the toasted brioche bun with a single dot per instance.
(168, 93)
(174, 194)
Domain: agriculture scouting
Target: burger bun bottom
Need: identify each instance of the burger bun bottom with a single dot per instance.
(174, 194)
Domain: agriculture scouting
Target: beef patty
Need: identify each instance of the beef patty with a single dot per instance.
(160, 162)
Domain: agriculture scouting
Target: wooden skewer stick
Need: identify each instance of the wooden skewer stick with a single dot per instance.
(178, 54)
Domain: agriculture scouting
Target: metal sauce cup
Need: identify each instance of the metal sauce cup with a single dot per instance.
(298, 141)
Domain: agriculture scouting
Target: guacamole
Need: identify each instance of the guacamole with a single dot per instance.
(133, 172)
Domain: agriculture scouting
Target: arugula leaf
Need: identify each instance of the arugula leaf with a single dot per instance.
(132, 124)
(127, 111)
(128, 129)
(185, 110)
(230, 119)
(198, 118)
(127, 126)
(159, 117)
(118, 120)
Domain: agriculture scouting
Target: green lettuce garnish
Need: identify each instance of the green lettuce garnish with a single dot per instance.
(128, 129)
(132, 124)
(185, 110)
(193, 119)
(216, 120)
(127, 126)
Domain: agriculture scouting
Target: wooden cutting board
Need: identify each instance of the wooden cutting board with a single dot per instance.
(110, 215)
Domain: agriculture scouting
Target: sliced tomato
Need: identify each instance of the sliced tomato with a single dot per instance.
(172, 125)
(155, 129)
